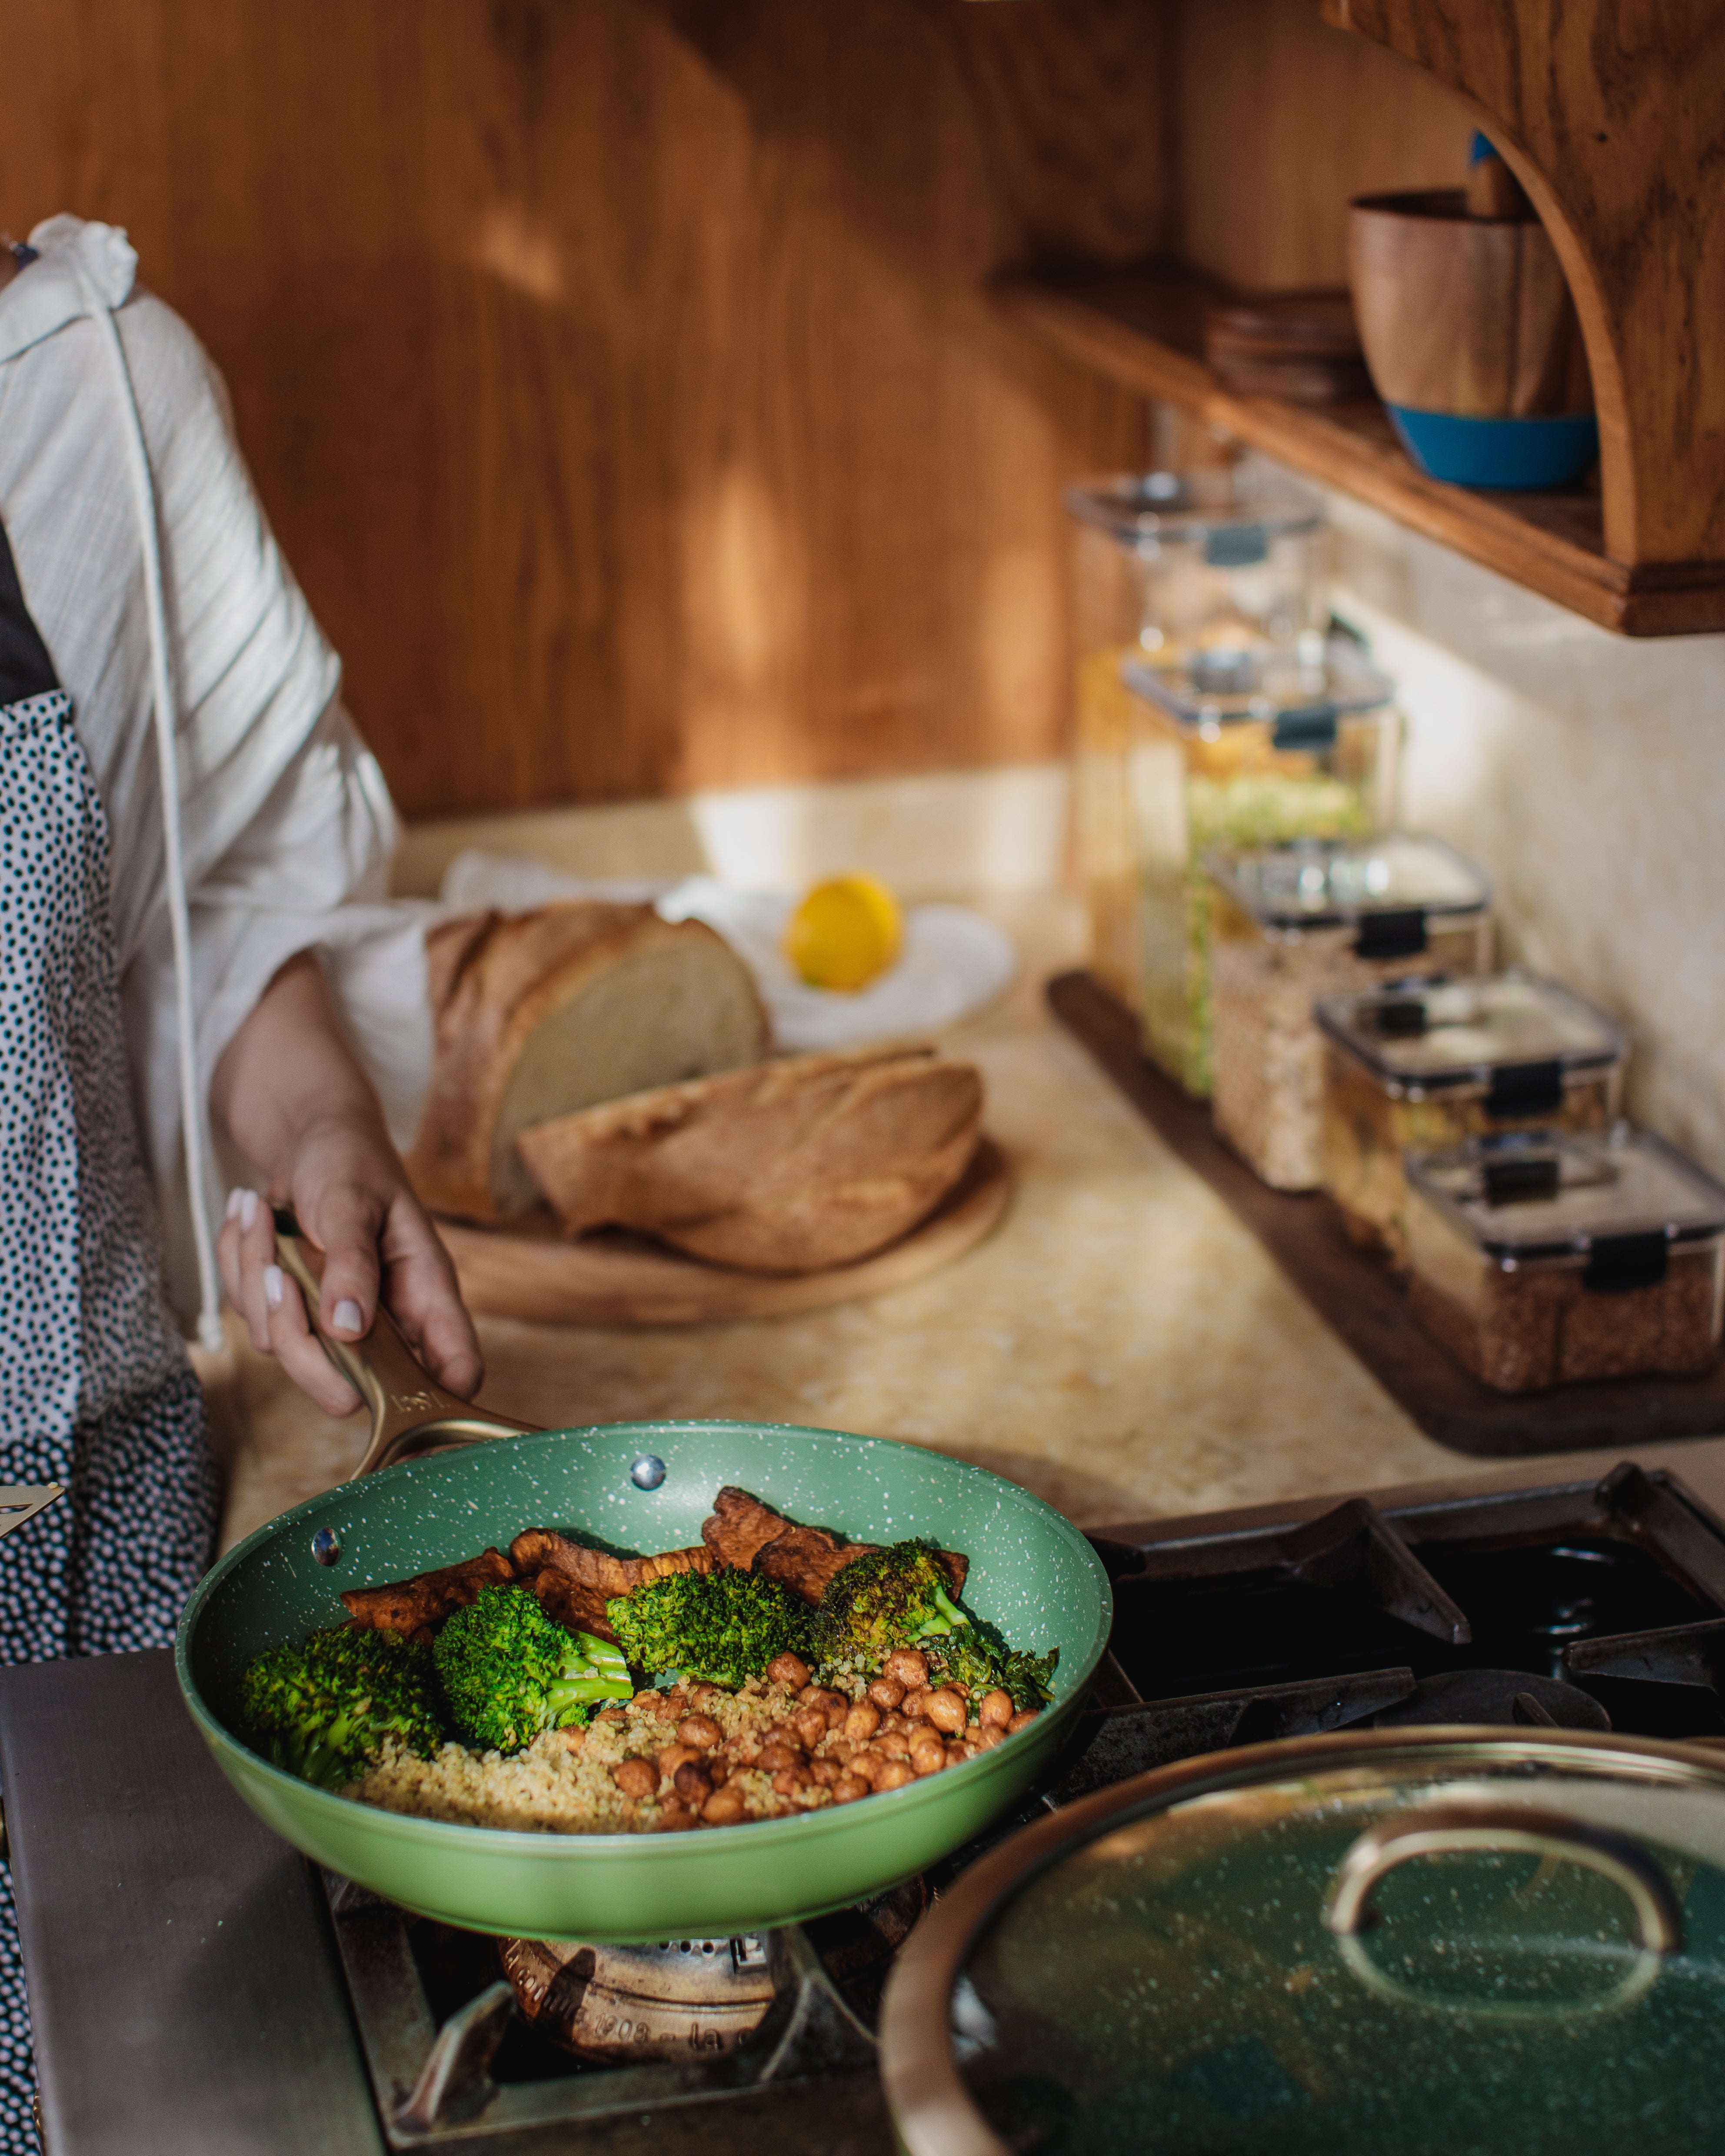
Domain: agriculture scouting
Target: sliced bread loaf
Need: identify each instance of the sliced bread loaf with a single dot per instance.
(540, 1013)
(795, 1166)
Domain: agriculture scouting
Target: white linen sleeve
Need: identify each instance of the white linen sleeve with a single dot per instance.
(308, 873)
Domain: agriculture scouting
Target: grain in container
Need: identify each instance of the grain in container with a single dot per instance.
(1428, 1063)
(1550, 1257)
(1215, 708)
(1319, 917)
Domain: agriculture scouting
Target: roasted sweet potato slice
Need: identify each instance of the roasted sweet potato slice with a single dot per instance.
(573, 1602)
(537, 1550)
(738, 1526)
(743, 1532)
(406, 1605)
(806, 1559)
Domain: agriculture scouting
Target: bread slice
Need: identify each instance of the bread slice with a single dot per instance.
(540, 1013)
(790, 1168)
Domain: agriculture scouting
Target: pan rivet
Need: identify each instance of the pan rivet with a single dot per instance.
(325, 1547)
(648, 1471)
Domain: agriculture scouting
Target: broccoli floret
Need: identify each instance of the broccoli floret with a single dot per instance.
(510, 1672)
(980, 1659)
(324, 1708)
(718, 1627)
(898, 1597)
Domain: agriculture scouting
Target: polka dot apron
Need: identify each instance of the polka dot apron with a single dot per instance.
(95, 1389)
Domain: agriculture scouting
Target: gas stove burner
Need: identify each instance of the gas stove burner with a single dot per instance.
(1515, 1698)
(620, 2005)
(683, 1999)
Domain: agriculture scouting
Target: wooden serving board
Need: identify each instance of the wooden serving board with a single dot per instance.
(616, 1278)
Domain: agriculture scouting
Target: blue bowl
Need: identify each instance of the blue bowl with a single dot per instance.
(1499, 453)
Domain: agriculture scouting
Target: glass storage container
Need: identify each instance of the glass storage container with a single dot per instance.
(1320, 917)
(1425, 1065)
(1547, 1257)
(1213, 710)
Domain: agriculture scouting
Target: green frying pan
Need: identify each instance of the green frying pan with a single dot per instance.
(645, 1486)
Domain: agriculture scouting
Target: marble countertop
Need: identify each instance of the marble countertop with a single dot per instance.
(1120, 1344)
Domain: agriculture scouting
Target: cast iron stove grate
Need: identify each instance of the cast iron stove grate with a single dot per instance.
(1578, 1605)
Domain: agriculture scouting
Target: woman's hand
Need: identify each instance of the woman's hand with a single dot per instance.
(296, 1102)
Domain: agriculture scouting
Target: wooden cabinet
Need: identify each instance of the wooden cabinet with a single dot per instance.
(1611, 113)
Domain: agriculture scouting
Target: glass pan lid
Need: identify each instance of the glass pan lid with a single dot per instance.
(1437, 1949)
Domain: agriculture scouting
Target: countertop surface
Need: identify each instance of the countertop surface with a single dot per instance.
(1122, 1344)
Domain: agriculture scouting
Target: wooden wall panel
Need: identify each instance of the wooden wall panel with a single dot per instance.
(1279, 121)
(619, 372)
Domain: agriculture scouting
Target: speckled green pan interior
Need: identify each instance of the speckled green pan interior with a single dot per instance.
(1032, 1573)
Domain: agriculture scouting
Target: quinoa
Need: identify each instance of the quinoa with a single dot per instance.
(768, 1750)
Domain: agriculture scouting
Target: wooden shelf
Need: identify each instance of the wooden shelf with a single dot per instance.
(1362, 1301)
(1143, 328)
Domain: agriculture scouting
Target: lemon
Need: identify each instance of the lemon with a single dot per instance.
(844, 934)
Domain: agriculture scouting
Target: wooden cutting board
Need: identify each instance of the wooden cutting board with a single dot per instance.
(617, 1278)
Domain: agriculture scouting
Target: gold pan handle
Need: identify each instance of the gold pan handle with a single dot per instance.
(410, 1411)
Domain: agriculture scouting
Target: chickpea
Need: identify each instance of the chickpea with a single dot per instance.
(956, 1753)
(649, 1698)
(789, 1779)
(789, 1670)
(840, 1748)
(887, 1693)
(928, 1755)
(1022, 1720)
(811, 1727)
(675, 1818)
(946, 1710)
(612, 1713)
(862, 1722)
(636, 1778)
(824, 1773)
(868, 1766)
(905, 1666)
(915, 1701)
(835, 1706)
(992, 1734)
(700, 1732)
(693, 1782)
(847, 1788)
(894, 1775)
(571, 1739)
(774, 1757)
(723, 1808)
(996, 1707)
(896, 1743)
(672, 1757)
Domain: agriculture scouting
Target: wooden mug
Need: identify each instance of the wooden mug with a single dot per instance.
(1463, 315)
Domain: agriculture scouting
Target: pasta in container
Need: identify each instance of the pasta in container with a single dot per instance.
(1215, 709)
(1427, 1064)
(1314, 918)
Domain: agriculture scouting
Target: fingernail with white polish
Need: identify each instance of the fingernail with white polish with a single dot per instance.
(274, 1286)
(248, 1209)
(346, 1317)
(234, 1199)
